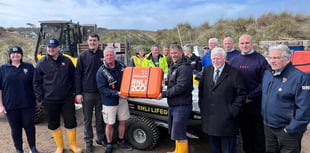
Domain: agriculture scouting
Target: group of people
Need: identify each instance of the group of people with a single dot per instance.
(263, 98)
(55, 83)
(266, 99)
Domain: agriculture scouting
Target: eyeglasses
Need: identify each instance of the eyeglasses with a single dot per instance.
(275, 58)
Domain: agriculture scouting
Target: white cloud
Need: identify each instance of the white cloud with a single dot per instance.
(139, 14)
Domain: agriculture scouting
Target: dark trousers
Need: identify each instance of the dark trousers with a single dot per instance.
(229, 144)
(19, 119)
(277, 141)
(252, 131)
(91, 103)
(54, 110)
(177, 121)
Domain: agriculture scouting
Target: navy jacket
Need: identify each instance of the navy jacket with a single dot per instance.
(109, 93)
(196, 63)
(16, 86)
(54, 79)
(180, 84)
(286, 99)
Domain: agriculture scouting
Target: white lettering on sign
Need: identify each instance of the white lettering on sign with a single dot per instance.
(305, 87)
(139, 76)
(138, 85)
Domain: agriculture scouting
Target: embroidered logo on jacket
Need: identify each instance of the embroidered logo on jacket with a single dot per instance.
(25, 71)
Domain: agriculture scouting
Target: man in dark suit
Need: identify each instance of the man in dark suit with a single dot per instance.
(221, 97)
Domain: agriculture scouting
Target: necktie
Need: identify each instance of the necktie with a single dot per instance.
(217, 75)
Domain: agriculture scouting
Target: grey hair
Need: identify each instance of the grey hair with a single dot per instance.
(109, 48)
(139, 47)
(153, 46)
(286, 52)
(188, 47)
(214, 40)
(219, 50)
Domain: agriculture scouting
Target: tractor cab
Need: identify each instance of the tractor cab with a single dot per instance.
(68, 33)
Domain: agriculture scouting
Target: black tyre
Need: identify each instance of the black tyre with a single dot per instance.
(39, 115)
(142, 133)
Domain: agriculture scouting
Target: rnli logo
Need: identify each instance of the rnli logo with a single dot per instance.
(25, 71)
(284, 80)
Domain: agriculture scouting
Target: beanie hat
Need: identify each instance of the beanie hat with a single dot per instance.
(15, 49)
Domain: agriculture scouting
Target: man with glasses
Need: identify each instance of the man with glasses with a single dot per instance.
(285, 102)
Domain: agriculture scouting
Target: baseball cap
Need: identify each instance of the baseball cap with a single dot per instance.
(52, 42)
(15, 49)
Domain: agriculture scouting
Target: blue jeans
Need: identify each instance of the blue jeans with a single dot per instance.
(178, 117)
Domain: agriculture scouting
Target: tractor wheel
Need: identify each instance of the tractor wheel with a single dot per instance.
(142, 133)
(39, 115)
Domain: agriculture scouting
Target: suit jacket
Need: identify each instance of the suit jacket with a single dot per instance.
(220, 103)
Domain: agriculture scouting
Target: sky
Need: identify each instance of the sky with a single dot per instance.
(149, 15)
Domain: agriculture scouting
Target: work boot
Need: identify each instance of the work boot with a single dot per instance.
(102, 143)
(71, 133)
(123, 144)
(57, 135)
(109, 148)
(33, 150)
(176, 147)
(182, 147)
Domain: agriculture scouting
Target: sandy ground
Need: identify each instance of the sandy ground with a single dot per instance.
(46, 144)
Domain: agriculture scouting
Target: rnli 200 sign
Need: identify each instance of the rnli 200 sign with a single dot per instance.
(144, 82)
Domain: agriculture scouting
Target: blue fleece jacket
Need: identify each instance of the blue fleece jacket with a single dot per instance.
(286, 99)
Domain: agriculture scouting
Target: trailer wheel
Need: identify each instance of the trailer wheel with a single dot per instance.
(142, 133)
(39, 115)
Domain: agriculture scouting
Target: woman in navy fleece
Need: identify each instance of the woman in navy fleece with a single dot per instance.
(17, 99)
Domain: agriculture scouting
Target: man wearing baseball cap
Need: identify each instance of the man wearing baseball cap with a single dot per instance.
(54, 86)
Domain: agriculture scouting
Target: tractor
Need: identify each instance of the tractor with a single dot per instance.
(73, 40)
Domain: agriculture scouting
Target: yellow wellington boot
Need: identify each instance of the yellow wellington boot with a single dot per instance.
(71, 133)
(57, 134)
(182, 147)
(176, 147)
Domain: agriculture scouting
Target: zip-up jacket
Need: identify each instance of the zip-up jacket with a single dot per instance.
(54, 79)
(180, 83)
(286, 99)
(109, 93)
(86, 69)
